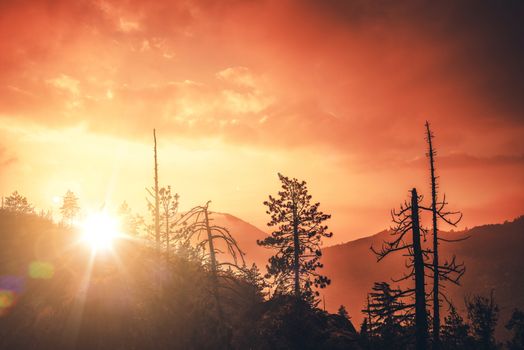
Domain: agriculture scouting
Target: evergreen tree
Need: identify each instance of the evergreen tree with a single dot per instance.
(455, 332)
(516, 324)
(169, 209)
(254, 278)
(299, 229)
(17, 203)
(483, 315)
(343, 312)
(69, 208)
(366, 337)
(130, 222)
(387, 314)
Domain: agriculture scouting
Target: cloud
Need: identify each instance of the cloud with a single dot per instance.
(356, 76)
(6, 158)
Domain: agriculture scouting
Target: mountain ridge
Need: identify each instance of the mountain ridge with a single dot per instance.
(492, 256)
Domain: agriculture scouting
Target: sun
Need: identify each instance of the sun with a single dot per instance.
(99, 230)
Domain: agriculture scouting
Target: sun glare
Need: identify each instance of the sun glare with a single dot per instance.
(99, 231)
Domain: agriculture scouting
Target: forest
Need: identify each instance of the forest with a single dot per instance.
(179, 280)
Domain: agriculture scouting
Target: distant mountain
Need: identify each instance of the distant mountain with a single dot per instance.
(246, 236)
(493, 255)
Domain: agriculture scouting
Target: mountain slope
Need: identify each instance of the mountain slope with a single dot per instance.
(493, 256)
(246, 236)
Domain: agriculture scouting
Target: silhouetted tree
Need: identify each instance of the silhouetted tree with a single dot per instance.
(253, 277)
(449, 271)
(455, 332)
(17, 203)
(516, 325)
(299, 229)
(130, 222)
(69, 208)
(387, 313)
(483, 314)
(343, 312)
(156, 199)
(199, 230)
(169, 205)
(366, 338)
(407, 220)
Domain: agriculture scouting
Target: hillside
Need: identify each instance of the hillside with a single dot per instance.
(492, 255)
(59, 294)
(246, 236)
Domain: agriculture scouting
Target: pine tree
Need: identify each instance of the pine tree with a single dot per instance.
(483, 314)
(130, 222)
(387, 314)
(455, 332)
(516, 324)
(169, 205)
(18, 204)
(69, 208)
(366, 337)
(407, 220)
(299, 229)
(342, 312)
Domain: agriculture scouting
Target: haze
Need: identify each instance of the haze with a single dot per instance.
(329, 92)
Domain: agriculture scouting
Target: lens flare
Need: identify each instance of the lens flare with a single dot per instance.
(100, 230)
(41, 270)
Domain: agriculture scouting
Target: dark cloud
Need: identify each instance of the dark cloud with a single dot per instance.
(486, 39)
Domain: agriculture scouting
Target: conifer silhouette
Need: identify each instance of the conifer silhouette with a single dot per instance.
(299, 229)
(483, 313)
(18, 204)
(69, 208)
(516, 324)
(387, 314)
(169, 205)
(455, 332)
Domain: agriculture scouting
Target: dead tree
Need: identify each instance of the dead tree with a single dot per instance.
(157, 200)
(450, 270)
(406, 220)
(199, 231)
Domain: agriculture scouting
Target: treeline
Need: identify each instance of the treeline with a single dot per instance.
(180, 281)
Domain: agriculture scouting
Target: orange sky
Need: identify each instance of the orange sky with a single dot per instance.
(333, 92)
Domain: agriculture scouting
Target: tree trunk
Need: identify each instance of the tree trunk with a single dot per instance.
(224, 334)
(157, 209)
(370, 321)
(436, 302)
(421, 320)
(296, 247)
(167, 235)
(212, 257)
